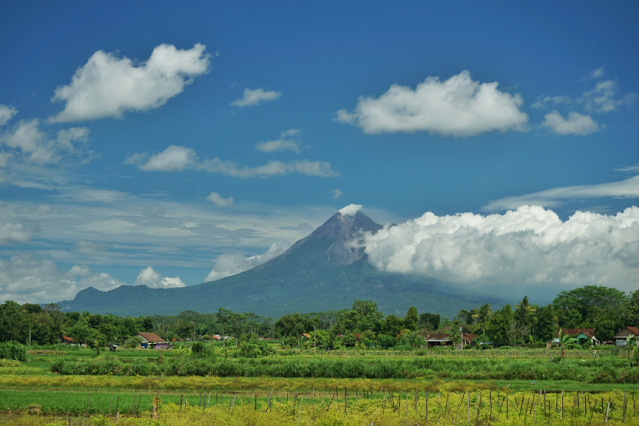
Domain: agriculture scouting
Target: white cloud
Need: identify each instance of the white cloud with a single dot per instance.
(598, 73)
(337, 193)
(107, 86)
(556, 100)
(16, 233)
(286, 142)
(576, 124)
(351, 209)
(34, 145)
(631, 169)
(25, 279)
(255, 97)
(272, 168)
(177, 158)
(601, 99)
(174, 158)
(234, 263)
(554, 197)
(458, 106)
(218, 200)
(6, 113)
(153, 279)
(530, 245)
(90, 247)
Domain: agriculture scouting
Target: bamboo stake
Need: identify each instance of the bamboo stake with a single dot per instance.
(461, 400)
(110, 404)
(490, 403)
(624, 407)
(526, 412)
(439, 406)
(607, 411)
(138, 408)
(468, 408)
(88, 400)
(562, 405)
(426, 411)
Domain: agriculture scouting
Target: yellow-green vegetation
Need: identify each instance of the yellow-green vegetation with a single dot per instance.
(344, 408)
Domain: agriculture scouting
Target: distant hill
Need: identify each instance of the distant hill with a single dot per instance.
(321, 272)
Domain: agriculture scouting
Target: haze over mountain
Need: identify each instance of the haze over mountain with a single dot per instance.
(321, 272)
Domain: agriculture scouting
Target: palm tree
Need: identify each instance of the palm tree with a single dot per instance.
(482, 314)
(524, 311)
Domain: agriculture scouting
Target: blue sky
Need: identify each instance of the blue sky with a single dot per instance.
(141, 142)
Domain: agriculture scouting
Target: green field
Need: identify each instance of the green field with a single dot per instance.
(58, 386)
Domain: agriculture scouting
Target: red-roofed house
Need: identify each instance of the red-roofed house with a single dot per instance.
(438, 339)
(67, 340)
(620, 337)
(152, 340)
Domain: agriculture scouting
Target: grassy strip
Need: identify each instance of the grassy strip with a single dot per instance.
(393, 409)
(608, 370)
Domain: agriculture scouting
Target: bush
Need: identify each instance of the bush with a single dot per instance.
(505, 347)
(198, 348)
(468, 346)
(13, 350)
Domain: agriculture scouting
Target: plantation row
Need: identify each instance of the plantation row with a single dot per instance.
(609, 370)
(336, 407)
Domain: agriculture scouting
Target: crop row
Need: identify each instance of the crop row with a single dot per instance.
(611, 370)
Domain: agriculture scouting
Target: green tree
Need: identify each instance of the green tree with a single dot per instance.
(392, 326)
(480, 316)
(630, 310)
(411, 319)
(499, 327)
(546, 324)
(429, 322)
(294, 325)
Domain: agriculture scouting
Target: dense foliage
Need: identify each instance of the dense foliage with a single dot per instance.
(606, 309)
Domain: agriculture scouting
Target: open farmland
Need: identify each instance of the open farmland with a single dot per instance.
(429, 386)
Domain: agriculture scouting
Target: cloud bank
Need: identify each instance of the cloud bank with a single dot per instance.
(153, 279)
(25, 279)
(458, 106)
(528, 246)
(351, 209)
(108, 86)
(554, 197)
(234, 263)
(255, 97)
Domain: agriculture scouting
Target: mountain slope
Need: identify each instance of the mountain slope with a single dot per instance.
(318, 273)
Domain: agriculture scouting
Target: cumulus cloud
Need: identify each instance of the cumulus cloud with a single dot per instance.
(234, 263)
(255, 97)
(177, 158)
(351, 209)
(458, 106)
(337, 193)
(153, 279)
(108, 86)
(25, 279)
(35, 146)
(576, 124)
(554, 197)
(174, 158)
(6, 113)
(530, 245)
(16, 233)
(218, 200)
(286, 142)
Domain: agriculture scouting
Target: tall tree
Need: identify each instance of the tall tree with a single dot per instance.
(411, 319)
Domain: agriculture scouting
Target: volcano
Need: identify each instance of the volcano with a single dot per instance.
(325, 271)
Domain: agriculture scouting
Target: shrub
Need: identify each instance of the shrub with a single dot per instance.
(198, 348)
(505, 347)
(13, 350)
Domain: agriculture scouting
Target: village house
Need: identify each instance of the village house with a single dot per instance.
(579, 335)
(622, 335)
(152, 341)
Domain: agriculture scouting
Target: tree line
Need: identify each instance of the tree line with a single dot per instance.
(606, 309)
